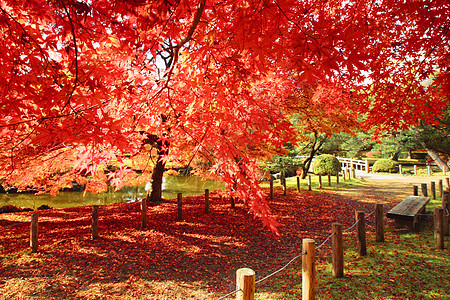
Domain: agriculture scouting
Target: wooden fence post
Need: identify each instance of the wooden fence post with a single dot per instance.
(298, 184)
(433, 190)
(400, 169)
(245, 284)
(144, 213)
(338, 250)
(308, 269)
(446, 208)
(438, 228)
(206, 201)
(34, 232)
(440, 188)
(180, 206)
(379, 223)
(309, 182)
(271, 188)
(424, 190)
(329, 179)
(361, 233)
(415, 190)
(95, 222)
(415, 169)
(367, 166)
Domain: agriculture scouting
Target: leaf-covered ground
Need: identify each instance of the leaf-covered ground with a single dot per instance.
(191, 259)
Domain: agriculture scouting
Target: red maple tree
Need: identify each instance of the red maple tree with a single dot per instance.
(85, 83)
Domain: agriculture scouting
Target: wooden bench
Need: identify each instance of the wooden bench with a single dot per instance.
(407, 213)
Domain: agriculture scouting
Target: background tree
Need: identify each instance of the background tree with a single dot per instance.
(436, 139)
(319, 114)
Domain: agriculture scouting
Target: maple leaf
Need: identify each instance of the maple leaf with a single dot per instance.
(85, 81)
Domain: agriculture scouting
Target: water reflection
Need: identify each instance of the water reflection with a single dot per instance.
(188, 185)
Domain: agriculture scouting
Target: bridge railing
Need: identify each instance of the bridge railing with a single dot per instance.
(349, 163)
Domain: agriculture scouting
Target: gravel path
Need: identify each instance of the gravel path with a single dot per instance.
(389, 188)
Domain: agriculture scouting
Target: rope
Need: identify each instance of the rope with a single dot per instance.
(284, 267)
(229, 294)
(354, 224)
(296, 257)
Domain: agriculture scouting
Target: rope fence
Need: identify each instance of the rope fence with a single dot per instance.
(308, 280)
(296, 257)
(245, 276)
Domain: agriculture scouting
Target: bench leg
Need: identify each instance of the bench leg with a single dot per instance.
(416, 223)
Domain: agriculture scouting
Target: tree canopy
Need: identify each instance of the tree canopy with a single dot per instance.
(82, 81)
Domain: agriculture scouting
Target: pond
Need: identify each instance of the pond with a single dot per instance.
(188, 185)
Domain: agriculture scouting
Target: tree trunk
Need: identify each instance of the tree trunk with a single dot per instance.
(396, 156)
(158, 171)
(314, 148)
(157, 179)
(435, 156)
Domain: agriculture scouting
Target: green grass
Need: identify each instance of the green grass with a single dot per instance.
(405, 266)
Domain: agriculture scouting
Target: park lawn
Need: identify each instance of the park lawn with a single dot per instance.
(197, 258)
(405, 266)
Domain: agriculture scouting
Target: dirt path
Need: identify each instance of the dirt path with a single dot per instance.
(387, 188)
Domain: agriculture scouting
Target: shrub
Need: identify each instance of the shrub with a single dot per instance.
(384, 165)
(325, 164)
(283, 164)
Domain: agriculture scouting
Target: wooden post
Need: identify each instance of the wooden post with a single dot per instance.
(309, 182)
(180, 206)
(308, 269)
(298, 184)
(271, 188)
(206, 201)
(320, 181)
(415, 190)
(329, 179)
(446, 208)
(245, 284)
(34, 232)
(438, 228)
(144, 213)
(338, 250)
(400, 169)
(415, 169)
(95, 222)
(284, 187)
(337, 178)
(440, 188)
(361, 233)
(433, 190)
(429, 170)
(424, 190)
(379, 223)
(367, 166)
